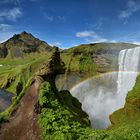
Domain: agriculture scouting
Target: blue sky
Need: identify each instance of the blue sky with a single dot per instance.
(66, 23)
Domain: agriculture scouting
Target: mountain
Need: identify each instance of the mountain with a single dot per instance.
(21, 44)
(102, 54)
(100, 48)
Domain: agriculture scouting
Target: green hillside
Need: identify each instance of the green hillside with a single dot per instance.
(21, 44)
(81, 62)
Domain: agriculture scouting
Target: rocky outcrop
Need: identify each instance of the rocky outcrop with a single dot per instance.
(3, 52)
(49, 70)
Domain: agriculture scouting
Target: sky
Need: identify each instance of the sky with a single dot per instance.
(66, 23)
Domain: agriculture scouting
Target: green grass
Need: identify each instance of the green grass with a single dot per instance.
(75, 65)
(21, 72)
(5, 115)
(108, 50)
(60, 118)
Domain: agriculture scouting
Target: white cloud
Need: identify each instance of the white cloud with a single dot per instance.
(131, 7)
(61, 18)
(14, 14)
(13, 2)
(4, 27)
(52, 18)
(85, 34)
(98, 24)
(7, 31)
(11, 14)
(48, 17)
(91, 36)
(58, 44)
(5, 35)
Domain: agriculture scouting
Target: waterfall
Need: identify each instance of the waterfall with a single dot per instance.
(129, 66)
(101, 96)
(129, 60)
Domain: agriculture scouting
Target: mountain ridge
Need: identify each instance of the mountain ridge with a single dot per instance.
(20, 44)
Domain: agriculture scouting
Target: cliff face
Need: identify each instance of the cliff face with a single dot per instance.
(22, 43)
(52, 67)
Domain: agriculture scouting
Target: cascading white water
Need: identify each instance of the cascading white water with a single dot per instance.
(101, 96)
(129, 66)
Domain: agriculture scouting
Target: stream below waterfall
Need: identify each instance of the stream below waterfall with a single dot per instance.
(5, 99)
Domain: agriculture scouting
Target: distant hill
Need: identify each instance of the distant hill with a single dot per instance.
(104, 55)
(100, 48)
(22, 43)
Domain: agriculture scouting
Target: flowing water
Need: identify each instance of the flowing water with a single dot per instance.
(5, 99)
(101, 96)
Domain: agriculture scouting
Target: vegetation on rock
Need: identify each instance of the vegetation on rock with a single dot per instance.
(58, 121)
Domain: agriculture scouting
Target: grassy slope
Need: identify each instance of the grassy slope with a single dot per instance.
(109, 52)
(19, 70)
(102, 46)
(61, 116)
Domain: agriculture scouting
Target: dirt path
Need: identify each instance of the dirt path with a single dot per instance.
(23, 123)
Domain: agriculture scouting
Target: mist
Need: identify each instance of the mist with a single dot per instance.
(101, 96)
